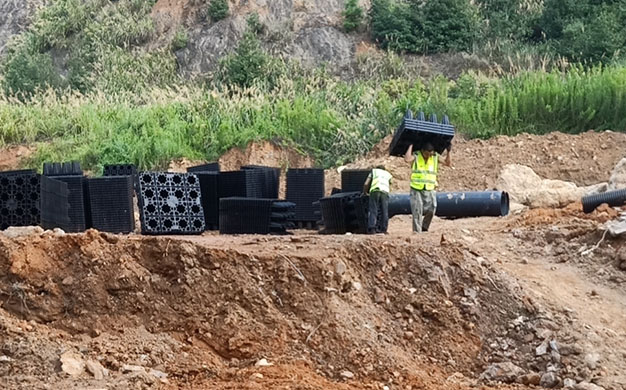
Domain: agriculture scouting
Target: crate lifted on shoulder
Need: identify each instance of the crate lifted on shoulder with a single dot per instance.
(419, 131)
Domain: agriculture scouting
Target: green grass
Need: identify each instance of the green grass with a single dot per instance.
(332, 120)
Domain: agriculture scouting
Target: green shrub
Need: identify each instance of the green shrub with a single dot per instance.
(352, 15)
(26, 71)
(254, 24)
(218, 9)
(180, 40)
(449, 25)
(511, 20)
(393, 26)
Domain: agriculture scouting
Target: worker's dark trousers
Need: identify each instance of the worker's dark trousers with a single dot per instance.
(378, 206)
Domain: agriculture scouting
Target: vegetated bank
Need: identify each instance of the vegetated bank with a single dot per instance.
(332, 120)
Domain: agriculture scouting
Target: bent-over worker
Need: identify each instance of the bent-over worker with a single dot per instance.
(425, 165)
(377, 185)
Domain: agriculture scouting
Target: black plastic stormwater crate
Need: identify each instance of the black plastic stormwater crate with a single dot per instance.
(78, 206)
(333, 216)
(210, 198)
(22, 195)
(69, 168)
(120, 170)
(111, 203)
(210, 167)
(352, 180)
(282, 217)
(239, 215)
(271, 180)
(305, 187)
(419, 131)
(170, 203)
(244, 183)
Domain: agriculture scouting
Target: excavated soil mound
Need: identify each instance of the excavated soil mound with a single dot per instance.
(338, 314)
(583, 159)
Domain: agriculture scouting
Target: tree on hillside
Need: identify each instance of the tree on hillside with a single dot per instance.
(218, 9)
(393, 26)
(352, 15)
(509, 19)
(449, 25)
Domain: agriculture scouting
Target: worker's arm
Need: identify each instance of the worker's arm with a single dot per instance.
(366, 185)
(447, 162)
(408, 156)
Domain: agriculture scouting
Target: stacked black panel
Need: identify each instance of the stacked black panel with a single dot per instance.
(22, 195)
(418, 131)
(282, 216)
(211, 167)
(54, 204)
(305, 187)
(111, 203)
(70, 168)
(120, 170)
(239, 215)
(352, 180)
(345, 212)
(210, 198)
(270, 180)
(78, 213)
(170, 203)
(244, 184)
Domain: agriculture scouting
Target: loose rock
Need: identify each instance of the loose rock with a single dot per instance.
(126, 368)
(347, 374)
(506, 372)
(96, 369)
(569, 382)
(549, 380)
(591, 360)
(587, 386)
(72, 364)
(530, 379)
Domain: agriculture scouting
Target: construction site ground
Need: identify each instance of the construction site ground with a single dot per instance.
(544, 289)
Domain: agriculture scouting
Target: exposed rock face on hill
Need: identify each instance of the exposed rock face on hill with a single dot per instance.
(14, 17)
(309, 31)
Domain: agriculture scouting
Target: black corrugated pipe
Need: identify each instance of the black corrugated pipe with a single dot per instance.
(612, 198)
(458, 204)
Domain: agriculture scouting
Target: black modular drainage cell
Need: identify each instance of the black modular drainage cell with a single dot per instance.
(170, 203)
(78, 206)
(210, 199)
(352, 180)
(239, 215)
(333, 216)
(243, 184)
(111, 204)
(345, 212)
(70, 168)
(210, 167)
(282, 217)
(270, 181)
(419, 131)
(120, 170)
(305, 187)
(22, 195)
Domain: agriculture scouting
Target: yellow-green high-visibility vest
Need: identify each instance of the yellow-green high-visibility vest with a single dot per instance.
(380, 180)
(424, 174)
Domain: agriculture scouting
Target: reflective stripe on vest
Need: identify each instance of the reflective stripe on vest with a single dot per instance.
(424, 175)
(380, 180)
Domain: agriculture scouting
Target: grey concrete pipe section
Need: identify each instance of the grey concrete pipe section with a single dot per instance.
(458, 204)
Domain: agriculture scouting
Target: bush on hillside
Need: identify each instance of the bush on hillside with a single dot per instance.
(393, 26)
(509, 19)
(449, 25)
(26, 72)
(352, 15)
(218, 9)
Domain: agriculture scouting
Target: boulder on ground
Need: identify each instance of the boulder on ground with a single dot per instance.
(618, 176)
(524, 186)
(506, 372)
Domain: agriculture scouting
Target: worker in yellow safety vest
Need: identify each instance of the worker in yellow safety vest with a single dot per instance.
(424, 168)
(377, 185)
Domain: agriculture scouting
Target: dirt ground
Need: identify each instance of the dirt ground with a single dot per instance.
(544, 290)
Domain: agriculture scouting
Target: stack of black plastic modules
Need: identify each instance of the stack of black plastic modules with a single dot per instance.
(239, 215)
(418, 131)
(244, 183)
(281, 219)
(24, 193)
(69, 168)
(345, 212)
(210, 198)
(210, 167)
(304, 188)
(270, 179)
(352, 180)
(120, 170)
(111, 203)
(170, 203)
